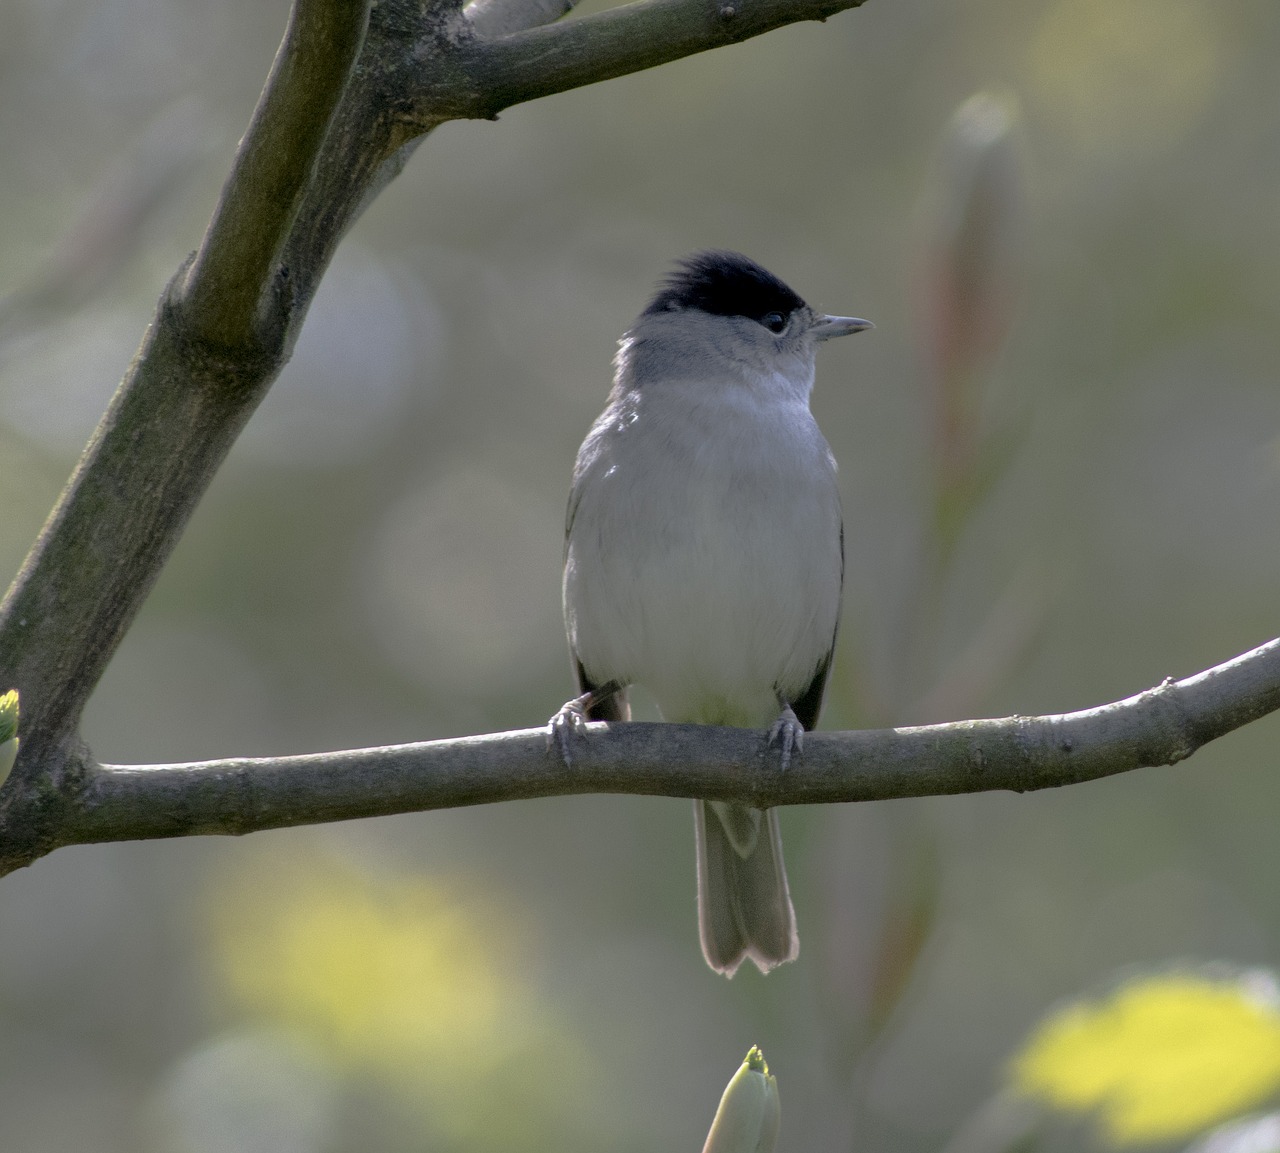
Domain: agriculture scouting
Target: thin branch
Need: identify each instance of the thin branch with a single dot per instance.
(557, 57)
(273, 168)
(1161, 726)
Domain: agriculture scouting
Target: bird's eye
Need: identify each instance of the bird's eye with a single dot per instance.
(775, 322)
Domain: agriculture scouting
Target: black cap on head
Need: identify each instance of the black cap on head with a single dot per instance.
(724, 284)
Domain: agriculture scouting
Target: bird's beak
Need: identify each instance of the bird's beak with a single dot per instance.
(832, 326)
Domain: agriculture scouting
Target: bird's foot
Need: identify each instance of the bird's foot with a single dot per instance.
(788, 734)
(573, 716)
(567, 724)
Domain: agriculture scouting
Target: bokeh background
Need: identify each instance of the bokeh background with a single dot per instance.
(1060, 455)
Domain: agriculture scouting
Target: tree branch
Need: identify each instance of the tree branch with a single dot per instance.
(1161, 726)
(542, 61)
(272, 169)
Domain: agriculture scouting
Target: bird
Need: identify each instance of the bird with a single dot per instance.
(704, 558)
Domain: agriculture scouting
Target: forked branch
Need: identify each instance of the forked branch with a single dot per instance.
(355, 85)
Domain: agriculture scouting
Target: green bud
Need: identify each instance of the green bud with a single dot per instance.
(9, 715)
(8, 733)
(750, 1113)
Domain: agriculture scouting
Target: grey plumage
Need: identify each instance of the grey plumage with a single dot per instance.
(704, 556)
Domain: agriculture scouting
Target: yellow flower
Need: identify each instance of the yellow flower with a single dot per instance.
(1163, 1057)
(415, 980)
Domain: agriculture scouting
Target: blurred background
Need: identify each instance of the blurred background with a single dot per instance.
(1060, 462)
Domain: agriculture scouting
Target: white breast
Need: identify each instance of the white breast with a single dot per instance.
(704, 558)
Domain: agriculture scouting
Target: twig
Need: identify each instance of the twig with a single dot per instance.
(1161, 726)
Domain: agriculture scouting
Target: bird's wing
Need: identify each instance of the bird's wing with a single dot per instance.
(809, 704)
(613, 707)
(575, 499)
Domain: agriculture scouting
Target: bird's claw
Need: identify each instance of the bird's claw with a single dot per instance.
(568, 723)
(788, 734)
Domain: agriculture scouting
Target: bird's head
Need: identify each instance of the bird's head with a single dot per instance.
(721, 310)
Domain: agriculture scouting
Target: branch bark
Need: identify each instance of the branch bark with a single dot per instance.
(272, 171)
(1161, 726)
(546, 60)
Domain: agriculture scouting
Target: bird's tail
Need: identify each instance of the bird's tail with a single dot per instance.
(744, 905)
